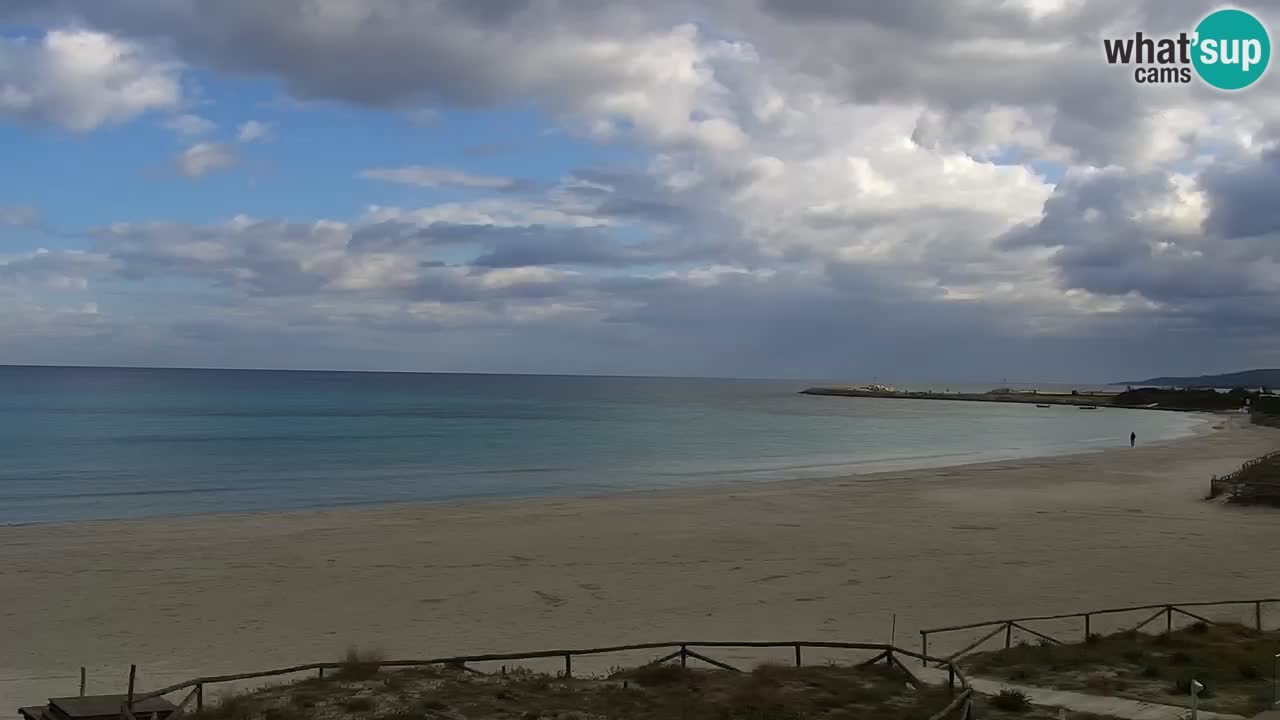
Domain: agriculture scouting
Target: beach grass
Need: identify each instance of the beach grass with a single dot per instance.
(1233, 662)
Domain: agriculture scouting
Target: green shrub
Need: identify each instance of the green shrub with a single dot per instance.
(357, 665)
(1011, 701)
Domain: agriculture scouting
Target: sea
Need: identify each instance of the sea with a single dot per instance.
(80, 443)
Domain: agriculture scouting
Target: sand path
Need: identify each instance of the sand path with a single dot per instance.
(826, 559)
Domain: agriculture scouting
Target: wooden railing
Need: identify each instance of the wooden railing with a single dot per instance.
(961, 704)
(1232, 482)
(1086, 618)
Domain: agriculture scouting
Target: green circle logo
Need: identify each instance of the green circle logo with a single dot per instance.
(1232, 49)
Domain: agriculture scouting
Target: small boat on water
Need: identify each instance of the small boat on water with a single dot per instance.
(1043, 406)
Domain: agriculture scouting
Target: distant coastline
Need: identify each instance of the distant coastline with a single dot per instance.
(1264, 377)
(1083, 399)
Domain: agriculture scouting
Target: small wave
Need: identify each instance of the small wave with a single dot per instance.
(513, 471)
(812, 466)
(119, 493)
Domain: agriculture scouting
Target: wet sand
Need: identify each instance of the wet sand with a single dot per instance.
(817, 559)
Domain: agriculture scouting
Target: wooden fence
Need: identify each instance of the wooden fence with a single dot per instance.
(1086, 619)
(960, 706)
(1232, 483)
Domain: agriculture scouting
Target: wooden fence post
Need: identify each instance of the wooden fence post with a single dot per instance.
(1257, 614)
(133, 672)
(797, 654)
(684, 656)
(951, 678)
(320, 673)
(82, 681)
(1168, 620)
(1008, 636)
(924, 648)
(1087, 633)
(200, 698)
(568, 666)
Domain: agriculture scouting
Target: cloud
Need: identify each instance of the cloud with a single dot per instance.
(1243, 198)
(82, 79)
(203, 158)
(1190, 252)
(437, 177)
(276, 258)
(423, 117)
(252, 131)
(53, 269)
(188, 125)
(809, 186)
(20, 216)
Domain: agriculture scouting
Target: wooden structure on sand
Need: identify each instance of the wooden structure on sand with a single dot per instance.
(97, 707)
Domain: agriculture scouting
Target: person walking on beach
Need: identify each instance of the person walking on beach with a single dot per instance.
(1133, 438)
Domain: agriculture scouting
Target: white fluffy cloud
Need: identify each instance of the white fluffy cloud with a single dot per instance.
(81, 79)
(437, 177)
(189, 125)
(252, 131)
(203, 158)
(19, 216)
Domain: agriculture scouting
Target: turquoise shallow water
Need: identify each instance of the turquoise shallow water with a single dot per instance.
(96, 443)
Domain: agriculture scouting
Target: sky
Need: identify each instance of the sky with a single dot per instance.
(922, 190)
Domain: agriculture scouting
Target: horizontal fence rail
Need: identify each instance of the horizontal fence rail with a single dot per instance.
(1232, 481)
(1008, 626)
(891, 655)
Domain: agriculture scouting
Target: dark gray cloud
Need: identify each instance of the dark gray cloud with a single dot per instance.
(1216, 274)
(635, 196)
(920, 18)
(498, 246)
(1244, 198)
(373, 52)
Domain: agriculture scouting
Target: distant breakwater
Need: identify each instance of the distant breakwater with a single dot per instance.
(1081, 399)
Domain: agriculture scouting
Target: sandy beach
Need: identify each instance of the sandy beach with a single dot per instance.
(815, 559)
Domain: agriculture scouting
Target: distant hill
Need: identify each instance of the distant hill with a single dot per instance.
(1245, 378)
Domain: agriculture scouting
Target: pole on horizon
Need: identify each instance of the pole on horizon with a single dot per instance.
(1196, 687)
(893, 631)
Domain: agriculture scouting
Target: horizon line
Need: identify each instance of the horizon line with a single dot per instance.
(996, 383)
